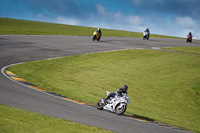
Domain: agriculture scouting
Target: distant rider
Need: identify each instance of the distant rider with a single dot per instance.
(190, 34)
(120, 92)
(147, 30)
(99, 32)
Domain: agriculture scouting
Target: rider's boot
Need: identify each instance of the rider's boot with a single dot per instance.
(105, 101)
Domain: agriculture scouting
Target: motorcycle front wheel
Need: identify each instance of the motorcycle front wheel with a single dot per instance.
(100, 104)
(145, 37)
(120, 109)
(94, 37)
(98, 39)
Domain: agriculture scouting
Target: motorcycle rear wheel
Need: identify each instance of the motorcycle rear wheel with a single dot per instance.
(100, 104)
(120, 109)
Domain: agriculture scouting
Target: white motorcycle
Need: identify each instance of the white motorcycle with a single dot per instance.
(117, 104)
(145, 35)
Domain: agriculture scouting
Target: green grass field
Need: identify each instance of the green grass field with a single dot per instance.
(195, 50)
(22, 27)
(14, 120)
(163, 86)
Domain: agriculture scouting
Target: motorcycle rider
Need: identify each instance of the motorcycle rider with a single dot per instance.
(190, 34)
(99, 33)
(189, 37)
(147, 30)
(120, 92)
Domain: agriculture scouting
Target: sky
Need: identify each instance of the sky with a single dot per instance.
(165, 17)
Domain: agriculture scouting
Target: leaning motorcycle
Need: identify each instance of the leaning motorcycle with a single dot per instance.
(189, 39)
(96, 36)
(145, 35)
(117, 104)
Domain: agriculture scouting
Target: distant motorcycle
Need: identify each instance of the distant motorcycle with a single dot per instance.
(117, 104)
(189, 39)
(145, 35)
(96, 36)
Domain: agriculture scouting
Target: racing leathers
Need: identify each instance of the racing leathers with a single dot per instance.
(119, 92)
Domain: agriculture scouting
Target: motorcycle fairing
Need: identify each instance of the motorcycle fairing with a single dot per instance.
(115, 101)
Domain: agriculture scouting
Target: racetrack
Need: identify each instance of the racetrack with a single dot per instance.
(17, 49)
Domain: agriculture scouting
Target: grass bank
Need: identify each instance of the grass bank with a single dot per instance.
(163, 86)
(23, 27)
(14, 120)
(195, 50)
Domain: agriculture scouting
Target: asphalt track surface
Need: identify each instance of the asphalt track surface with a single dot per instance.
(26, 48)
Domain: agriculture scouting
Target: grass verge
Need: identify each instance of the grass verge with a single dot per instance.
(14, 120)
(195, 50)
(163, 86)
(23, 27)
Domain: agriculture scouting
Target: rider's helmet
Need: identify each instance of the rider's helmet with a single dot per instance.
(98, 28)
(125, 88)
